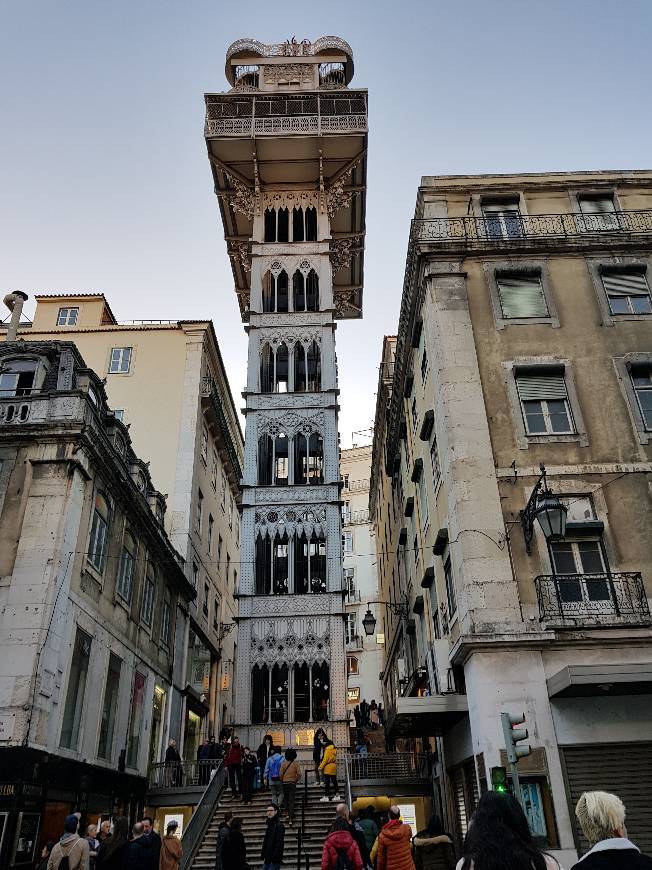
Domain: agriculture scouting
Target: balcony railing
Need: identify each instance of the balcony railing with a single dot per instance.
(296, 114)
(182, 774)
(354, 642)
(355, 518)
(593, 599)
(512, 227)
(393, 766)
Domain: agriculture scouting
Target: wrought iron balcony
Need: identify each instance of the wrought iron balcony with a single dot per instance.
(342, 112)
(182, 774)
(592, 599)
(511, 228)
(393, 766)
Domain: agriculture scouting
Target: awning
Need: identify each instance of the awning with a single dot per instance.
(430, 716)
(590, 681)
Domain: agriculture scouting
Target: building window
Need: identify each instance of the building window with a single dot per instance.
(223, 491)
(109, 708)
(346, 512)
(581, 570)
(642, 382)
(135, 719)
(165, 624)
(627, 292)
(195, 575)
(231, 508)
(450, 586)
(424, 365)
(347, 543)
(502, 219)
(350, 623)
(17, 378)
(126, 568)
(273, 460)
(211, 523)
(214, 471)
(199, 509)
(434, 462)
(307, 367)
(521, 296)
(308, 459)
(216, 614)
(76, 690)
(348, 575)
(345, 481)
(423, 500)
(272, 565)
(219, 548)
(205, 602)
(204, 442)
(119, 414)
(98, 541)
(544, 403)
(147, 607)
(305, 291)
(235, 580)
(67, 316)
(275, 292)
(274, 369)
(309, 564)
(598, 214)
(120, 360)
(351, 666)
(228, 568)
(415, 414)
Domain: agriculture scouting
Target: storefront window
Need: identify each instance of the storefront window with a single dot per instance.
(76, 689)
(136, 719)
(107, 725)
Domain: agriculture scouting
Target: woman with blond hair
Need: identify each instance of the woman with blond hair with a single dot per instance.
(602, 819)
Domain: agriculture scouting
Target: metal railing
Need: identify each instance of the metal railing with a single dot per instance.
(209, 389)
(358, 485)
(593, 599)
(395, 766)
(201, 818)
(355, 518)
(511, 226)
(301, 833)
(181, 774)
(354, 642)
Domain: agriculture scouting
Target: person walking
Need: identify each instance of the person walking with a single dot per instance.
(223, 831)
(272, 776)
(153, 842)
(93, 845)
(139, 856)
(249, 768)
(173, 768)
(357, 715)
(264, 751)
(394, 844)
(602, 819)
(368, 826)
(499, 837)
(234, 853)
(328, 767)
(433, 848)
(274, 841)
(290, 774)
(373, 716)
(340, 848)
(114, 850)
(364, 709)
(203, 762)
(233, 763)
(46, 851)
(318, 751)
(71, 846)
(171, 848)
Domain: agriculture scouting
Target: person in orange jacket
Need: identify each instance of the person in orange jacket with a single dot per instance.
(395, 844)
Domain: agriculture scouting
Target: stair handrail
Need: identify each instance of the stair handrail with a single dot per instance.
(347, 781)
(202, 817)
(302, 825)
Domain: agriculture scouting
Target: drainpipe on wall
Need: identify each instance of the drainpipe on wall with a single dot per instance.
(14, 302)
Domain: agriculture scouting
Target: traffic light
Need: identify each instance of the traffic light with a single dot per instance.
(499, 779)
(514, 735)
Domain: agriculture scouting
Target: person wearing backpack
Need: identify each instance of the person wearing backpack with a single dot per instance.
(72, 851)
(272, 776)
(340, 850)
(290, 774)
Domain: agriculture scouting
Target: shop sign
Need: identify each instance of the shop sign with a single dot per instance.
(7, 789)
(353, 695)
(409, 815)
(26, 838)
(224, 684)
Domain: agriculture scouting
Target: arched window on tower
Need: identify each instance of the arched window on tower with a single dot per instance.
(312, 291)
(273, 460)
(298, 228)
(260, 694)
(303, 225)
(320, 691)
(274, 369)
(272, 565)
(270, 224)
(307, 367)
(299, 291)
(305, 291)
(308, 459)
(283, 225)
(275, 292)
(301, 692)
(280, 693)
(309, 564)
(311, 224)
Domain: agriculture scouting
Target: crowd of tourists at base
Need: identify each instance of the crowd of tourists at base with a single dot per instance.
(113, 846)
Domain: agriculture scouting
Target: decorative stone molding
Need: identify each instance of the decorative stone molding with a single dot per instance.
(243, 198)
(278, 401)
(289, 48)
(288, 72)
(281, 494)
(289, 336)
(240, 252)
(293, 521)
(346, 303)
(342, 251)
(289, 422)
(290, 199)
(338, 197)
(276, 264)
(290, 641)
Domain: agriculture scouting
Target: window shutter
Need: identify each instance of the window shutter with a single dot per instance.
(625, 284)
(538, 387)
(597, 205)
(522, 296)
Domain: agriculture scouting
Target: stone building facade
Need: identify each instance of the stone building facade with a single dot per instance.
(93, 599)
(167, 383)
(524, 339)
(287, 148)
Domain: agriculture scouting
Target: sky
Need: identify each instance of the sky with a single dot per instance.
(105, 183)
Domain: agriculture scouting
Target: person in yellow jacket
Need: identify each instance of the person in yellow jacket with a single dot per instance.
(328, 767)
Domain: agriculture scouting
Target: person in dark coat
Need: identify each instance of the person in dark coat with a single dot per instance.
(234, 850)
(249, 767)
(114, 850)
(602, 819)
(264, 751)
(153, 841)
(139, 856)
(273, 844)
(318, 751)
(173, 762)
(233, 762)
(223, 830)
(433, 848)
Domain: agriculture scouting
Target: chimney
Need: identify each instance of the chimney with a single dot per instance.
(14, 302)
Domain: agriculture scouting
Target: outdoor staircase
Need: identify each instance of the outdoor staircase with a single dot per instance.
(318, 819)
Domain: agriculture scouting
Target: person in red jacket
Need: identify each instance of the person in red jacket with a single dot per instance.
(395, 844)
(233, 764)
(340, 843)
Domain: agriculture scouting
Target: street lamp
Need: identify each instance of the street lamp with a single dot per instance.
(369, 621)
(547, 509)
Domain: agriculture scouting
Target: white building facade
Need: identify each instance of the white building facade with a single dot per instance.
(287, 146)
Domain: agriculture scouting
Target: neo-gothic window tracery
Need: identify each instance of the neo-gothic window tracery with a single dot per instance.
(307, 368)
(274, 369)
(308, 459)
(283, 568)
(305, 291)
(302, 227)
(273, 460)
(272, 565)
(275, 292)
(309, 564)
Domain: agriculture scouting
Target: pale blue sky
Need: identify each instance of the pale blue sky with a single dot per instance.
(105, 183)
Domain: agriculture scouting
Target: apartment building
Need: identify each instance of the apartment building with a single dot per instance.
(92, 597)
(511, 490)
(363, 652)
(166, 382)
